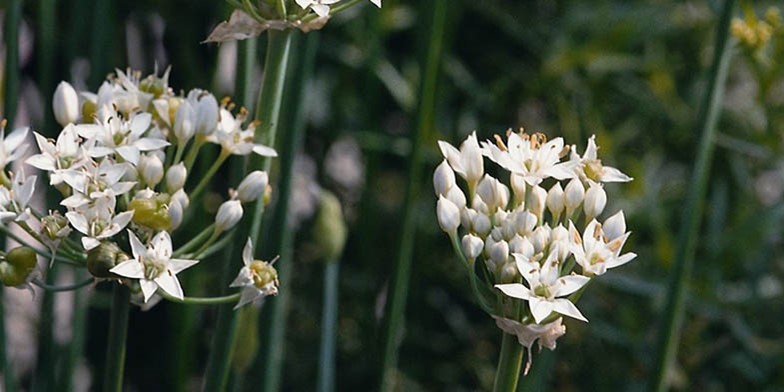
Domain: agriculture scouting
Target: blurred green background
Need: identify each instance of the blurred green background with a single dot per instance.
(630, 72)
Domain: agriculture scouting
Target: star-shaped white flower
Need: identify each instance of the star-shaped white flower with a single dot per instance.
(467, 161)
(590, 167)
(153, 266)
(258, 279)
(113, 135)
(64, 154)
(13, 202)
(320, 7)
(236, 140)
(599, 250)
(545, 287)
(531, 157)
(94, 181)
(96, 221)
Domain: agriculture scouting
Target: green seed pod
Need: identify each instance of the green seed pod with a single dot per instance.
(152, 213)
(17, 265)
(103, 258)
(330, 229)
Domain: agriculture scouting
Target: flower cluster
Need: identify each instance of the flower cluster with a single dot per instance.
(540, 239)
(249, 19)
(121, 164)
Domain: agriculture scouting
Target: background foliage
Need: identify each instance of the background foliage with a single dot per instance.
(631, 72)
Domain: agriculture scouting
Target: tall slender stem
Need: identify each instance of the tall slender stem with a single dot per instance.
(509, 361)
(115, 347)
(329, 317)
(675, 310)
(399, 288)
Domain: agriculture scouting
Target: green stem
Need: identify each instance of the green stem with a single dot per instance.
(6, 371)
(326, 372)
(76, 345)
(115, 348)
(57, 289)
(198, 142)
(227, 299)
(470, 267)
(509, 361)
(224, 154)
(684, 257)
(399, 287)
(44, 378)
(195, 241)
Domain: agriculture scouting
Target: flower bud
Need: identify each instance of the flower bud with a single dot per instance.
(104, 257)
(329, 229)
(615, 226)
(537, 201)
(151, 212)
(175, 177)
(540, 238)
(509, 273)
(573, 195)
(472, 159)
(467, 218)
(595, 200)
(65, 104)
(493, 192)
(518, 186)
(448, 215)
(206, 115)
(184, 125)
(151, 169)
(456, 196)
(443, 178)
(17, 266)
(555, 200)
(525, 222)
(175, 213)
(252, 186)
(229, 213)
(472, 246)
(522, 246)
(559, 242)
(481, 224)
(499, 252)
(181, 197)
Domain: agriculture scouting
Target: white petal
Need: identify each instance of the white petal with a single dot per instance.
(41, 161)
(129, 269)
(140, 123)
(243, 278)
(611, 174)
(571, 283)
(177, 265)
(567, 308)
(169, 283)
(540, 308)
(137, 248)
(247, 252)
(129, 153)
(90, 243)
(623, 259)
(148, 288)
(264, 150)
(515, 290)
(78, 221)
(149, 144)
(162, 244)
(249, 294)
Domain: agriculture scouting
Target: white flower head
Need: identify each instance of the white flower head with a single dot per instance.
(96, 220)
(236, 140)
(594, 251)
(589, 166)
(153, 266)
(530, 156)
(545, 288)
(64, 154)
(257, 278)
(114, 135)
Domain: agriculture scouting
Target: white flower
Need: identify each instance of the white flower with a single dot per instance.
(594, 251)
(65, 104)
(153, 266)
(258, 279)
(252, 186)
(531, 157)
(443, 178)
(13, 203)
(94, 181)
(115, 135)
(546, 288)
(96, 221)
(466, 162)
(590, 167)
(12, 147)
(67, 153)
(234, 139)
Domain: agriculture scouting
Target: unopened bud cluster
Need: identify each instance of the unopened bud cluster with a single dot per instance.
(538, 234)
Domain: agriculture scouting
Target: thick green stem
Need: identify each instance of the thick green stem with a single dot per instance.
(675, 309)
(44, 379)
(509, 361)
(329, 317)
(115, 347)
(76, 345)
(268, 110)
(396, 307)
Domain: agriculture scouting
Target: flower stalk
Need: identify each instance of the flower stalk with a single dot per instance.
(509, 362)
(395, 309)
(675, 310)
(115, 347)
